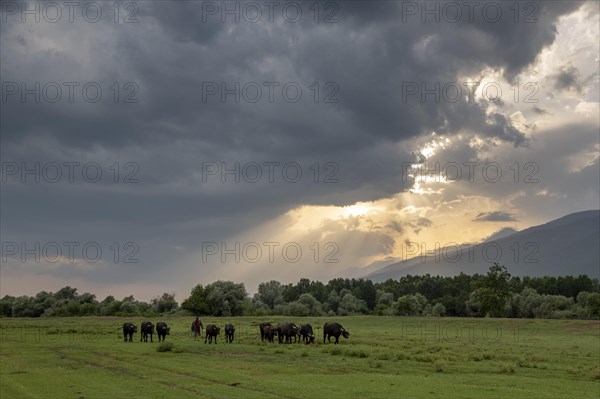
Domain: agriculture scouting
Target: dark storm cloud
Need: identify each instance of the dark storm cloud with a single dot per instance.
(539, 111)
(424, 222)
(419, 224)
(568, 78)
(187, 51)
(495, 217)
(395, 226)
(367, 57)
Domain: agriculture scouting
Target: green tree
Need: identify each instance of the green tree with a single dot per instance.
(270, 293)
(43, 301)
(491, 292)
(23, 306)
(313, 306)
(128, 308)
(165, 303)
(333, 301)
(366, 291)
(6, 305)
(590, 301)
(196, 303)
(113, 308)
(385, 298)
(66, 293)
(226, 298)
(295, 309)
(410, 305)
(438, 310)
(350, 305)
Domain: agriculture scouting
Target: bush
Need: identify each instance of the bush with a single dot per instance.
(314, 306)
(385, 299)
(438, 310)
(590, 302)
(507, 368)
(165, 347)
(410, 305)
(439, 365)
(358, 353)
(335, 351)
(296, 309)
(351, 305)
(564, 314)
(258, 312)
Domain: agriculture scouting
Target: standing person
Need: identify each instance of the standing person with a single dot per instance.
(197, 328)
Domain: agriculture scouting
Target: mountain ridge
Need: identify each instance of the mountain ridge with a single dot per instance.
(545, 249)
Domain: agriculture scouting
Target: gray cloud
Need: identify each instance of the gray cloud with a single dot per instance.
(495, 217)
(539, 111)
(568, 78)
(369, 55)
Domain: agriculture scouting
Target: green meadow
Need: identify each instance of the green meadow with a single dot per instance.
(385, 357)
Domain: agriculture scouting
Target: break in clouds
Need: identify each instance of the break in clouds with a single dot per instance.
(165, 126)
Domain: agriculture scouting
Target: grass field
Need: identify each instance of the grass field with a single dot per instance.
(385, 357)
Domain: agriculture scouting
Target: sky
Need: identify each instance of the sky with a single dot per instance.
(159, 145)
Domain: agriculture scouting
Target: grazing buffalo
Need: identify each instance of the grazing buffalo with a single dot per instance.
(334, 330)
(306, 332)
(128, 330)
(229, 333)
(162, 329)
(269, 332)
(211, 332)
(146, 328)
(287, 331)
(262, 327)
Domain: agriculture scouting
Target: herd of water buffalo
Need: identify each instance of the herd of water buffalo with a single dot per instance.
(285, 332)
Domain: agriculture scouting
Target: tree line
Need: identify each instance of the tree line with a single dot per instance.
(495, 294)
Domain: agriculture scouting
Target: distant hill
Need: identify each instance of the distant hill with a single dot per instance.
(566, 246)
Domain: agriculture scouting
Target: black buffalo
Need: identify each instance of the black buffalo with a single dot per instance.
(306, 332)
(229, 333)
(334, 330)
(146, 328)
(269, 332)
(211, 332)
(128, 330)
(162, 329)
(262, 327)
(287, 331)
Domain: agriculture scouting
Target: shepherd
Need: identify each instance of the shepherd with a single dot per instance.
(196, 328)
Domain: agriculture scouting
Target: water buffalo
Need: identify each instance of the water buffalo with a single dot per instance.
(269, 332)
(287, 331)
(146, 328)
(162, 329)
(229, 333)
(334, 330)
(212, 331)
(306, 331)
(128, 330)
(262, 327)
